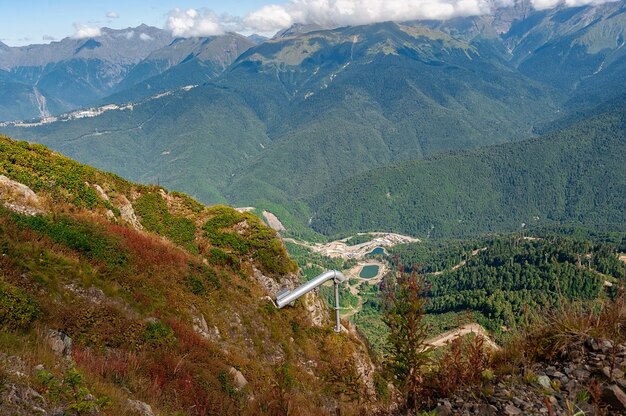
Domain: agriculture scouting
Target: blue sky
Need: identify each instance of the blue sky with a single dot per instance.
(40, 21)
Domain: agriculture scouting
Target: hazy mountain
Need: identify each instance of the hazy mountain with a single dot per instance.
(183, 62)
(579, 51)
(258, 38)
(72, 73)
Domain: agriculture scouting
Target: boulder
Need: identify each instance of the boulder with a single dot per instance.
(60, 343)
(614, 397)
(238, 378)
(140, 407)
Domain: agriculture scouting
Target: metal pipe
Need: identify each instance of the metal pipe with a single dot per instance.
(285, 297)
(338, 327)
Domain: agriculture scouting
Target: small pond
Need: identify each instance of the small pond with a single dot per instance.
(376, 251)
(368, 272)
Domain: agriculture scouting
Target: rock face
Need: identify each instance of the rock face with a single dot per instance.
(314, 305)
(273, 221)
(19, 197)
(317, 309)
(128, 213)
(60, 343)
(21, 400)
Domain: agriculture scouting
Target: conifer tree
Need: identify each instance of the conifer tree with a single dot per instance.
(407, 351)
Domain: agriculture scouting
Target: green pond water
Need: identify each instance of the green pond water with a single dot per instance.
(376, 251)
(368, 272)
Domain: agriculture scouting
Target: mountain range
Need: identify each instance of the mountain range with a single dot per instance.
(44, 80)
(290, 119)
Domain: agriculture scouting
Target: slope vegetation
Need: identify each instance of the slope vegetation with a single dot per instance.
(127, 295)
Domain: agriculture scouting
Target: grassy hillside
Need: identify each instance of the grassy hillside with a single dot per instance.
(164, 300)
(575, 175)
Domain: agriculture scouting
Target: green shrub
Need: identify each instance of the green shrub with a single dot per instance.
(251, 238)
(156, 217)
(17, 309)
(70, 392)
(158, 334)
(84, 237)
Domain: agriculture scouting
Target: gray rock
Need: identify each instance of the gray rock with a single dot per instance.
(544, 381)
(581, 374)
(60, 343)
(21, 400)
(617, 373)
(238, 378)
(593, 344)
(140, 407)
(606, 346)
(511, 410)
(487, 410)
(521, 403)
(444, 409)
(614, 397)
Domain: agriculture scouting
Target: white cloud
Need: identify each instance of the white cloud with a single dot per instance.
(145, 37)
(269, 18)
(192, 23)
(549, 4)
(48, 38)
(113, 15)
(334, 13)
(84, 31)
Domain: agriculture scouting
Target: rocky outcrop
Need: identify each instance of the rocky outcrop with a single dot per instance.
(314, 305)
(272, 286)
(588, 379)
(21, 400)
(60, 343)
(140, 408)
(128, 213)
(19, 198)
(316, 308)
(273, 222)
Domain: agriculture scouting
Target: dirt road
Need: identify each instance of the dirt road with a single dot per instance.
(449, 336)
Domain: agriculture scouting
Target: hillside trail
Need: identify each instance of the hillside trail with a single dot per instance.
(447, 337)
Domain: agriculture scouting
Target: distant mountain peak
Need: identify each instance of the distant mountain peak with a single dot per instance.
(299, 29)
(257, 38)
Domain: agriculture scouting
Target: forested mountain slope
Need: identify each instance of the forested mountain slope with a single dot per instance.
(575, 175)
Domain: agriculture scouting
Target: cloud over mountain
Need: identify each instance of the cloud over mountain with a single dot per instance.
(334, 13)
(85, 31)
(194, 23)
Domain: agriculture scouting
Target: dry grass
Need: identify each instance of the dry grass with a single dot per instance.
(551, 333)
